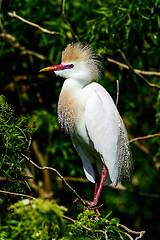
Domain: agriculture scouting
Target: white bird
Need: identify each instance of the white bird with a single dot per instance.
(88, 114)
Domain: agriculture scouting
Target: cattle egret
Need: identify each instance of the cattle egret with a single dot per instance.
(88, 114)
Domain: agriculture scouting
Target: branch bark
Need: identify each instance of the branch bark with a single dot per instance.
(117, 98)
(144, 137)
(141, 233)
(15, 44)
(17, 194)
(131, 68)
(68, 23)
(149, 73)
(46, 192)
(127, 230)
(13, 14)
(61, 177)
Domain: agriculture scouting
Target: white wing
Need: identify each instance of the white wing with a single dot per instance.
(106, 131)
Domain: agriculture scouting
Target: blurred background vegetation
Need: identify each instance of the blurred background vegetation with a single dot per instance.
(25, 48)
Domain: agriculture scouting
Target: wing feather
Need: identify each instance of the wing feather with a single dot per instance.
(107, 132)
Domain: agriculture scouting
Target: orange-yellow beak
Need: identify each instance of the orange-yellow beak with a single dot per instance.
(57, 67)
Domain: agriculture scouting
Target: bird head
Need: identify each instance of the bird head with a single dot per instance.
(79, 63)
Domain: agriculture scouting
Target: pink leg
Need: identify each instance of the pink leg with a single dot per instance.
(103, 178)
(98, 189)
(97, 182)
(97, 179)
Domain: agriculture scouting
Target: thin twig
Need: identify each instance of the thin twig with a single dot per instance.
(150, 73)
(68, 23)
(74, 179)
(37, 55)
(144, 137)
(88, 229)
(141, 233)
(119, 187)
(17, 194)
(62, 178)
(97, 207)
(1, 24)
(35, 25)
(96, 231)
(30, 77)
(13, 41)
(68, 218)
(104, 232)
(117, 93)
(130, 67)
(55, 170)
(142, 194)
(127, 234)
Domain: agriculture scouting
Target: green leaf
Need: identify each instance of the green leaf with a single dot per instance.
(114, 220)
(2, 99)
(108, 214)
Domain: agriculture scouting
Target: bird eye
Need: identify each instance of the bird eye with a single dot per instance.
(71, 65)
(68, 66)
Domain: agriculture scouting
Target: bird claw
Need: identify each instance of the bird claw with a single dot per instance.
(75, 200)
(90, 206)
(89, 203)
(86, 203)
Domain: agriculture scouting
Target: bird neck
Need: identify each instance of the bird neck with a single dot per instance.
(73, 84)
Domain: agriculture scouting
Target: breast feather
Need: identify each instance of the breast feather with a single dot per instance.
(69, 110)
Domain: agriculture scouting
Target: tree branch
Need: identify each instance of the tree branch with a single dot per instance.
(47, 192)
(144, 137)
(12, 40)
(86, 228)
(127, 230)
(1, 24)
(68, 23)
(136, 70)
(117, 98)
(35, 25)
(119, 187)
(37, 55)
(17, 194)
(61, 177)
(131, 68)
(141, 233)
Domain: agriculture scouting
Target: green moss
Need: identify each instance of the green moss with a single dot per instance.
(34, 219)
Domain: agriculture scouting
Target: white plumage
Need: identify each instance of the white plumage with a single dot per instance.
(87, 112)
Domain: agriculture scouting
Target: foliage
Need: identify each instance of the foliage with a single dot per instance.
(93, 227)
(32, 219)
(15, 140)
(43, 219)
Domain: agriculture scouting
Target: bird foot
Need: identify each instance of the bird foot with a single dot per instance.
(86, 203)
(90, 204)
